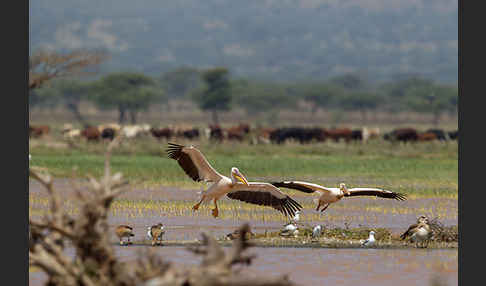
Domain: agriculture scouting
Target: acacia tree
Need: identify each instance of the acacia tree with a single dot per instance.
(126, 91)
(46, 65)
(179, 82)
(216, 94)
(71, 93)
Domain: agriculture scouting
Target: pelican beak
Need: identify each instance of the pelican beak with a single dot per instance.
(241, 178)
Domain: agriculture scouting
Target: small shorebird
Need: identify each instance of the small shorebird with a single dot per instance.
(155, 232)
(328, 196)
(370, 241)
(289, 229)
(316, 232)
(124, 231)
(420, 232)
(296, 218)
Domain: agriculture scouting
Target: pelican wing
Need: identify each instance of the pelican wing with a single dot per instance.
(302, 186)
(193, 163)
(375, 192)
(265, 195)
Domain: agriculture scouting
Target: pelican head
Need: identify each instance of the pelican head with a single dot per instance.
(236, 176)
(372, 233)
(343, 188)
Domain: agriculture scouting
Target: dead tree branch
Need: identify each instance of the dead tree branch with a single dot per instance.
(95, 263)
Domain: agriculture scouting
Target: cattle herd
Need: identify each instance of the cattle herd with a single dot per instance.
(243, 132)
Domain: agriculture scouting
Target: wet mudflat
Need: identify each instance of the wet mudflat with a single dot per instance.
(142, 207)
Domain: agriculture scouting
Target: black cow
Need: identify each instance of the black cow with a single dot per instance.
(402, 134)
(357, 135)
(108, 133)
(441, 135)
(453, 135)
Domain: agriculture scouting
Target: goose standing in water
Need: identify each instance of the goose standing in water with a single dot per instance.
(124, 231)
(420, 232)
(155, 233)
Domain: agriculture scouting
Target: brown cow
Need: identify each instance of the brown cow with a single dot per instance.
(427, 136)
(238, 132)
(38, 131)
(91, 133)
(164, 132)
(336, 134)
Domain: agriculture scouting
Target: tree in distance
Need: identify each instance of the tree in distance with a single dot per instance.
(215, 95)
(129, 92)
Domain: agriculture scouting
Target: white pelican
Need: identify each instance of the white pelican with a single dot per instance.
(370, 241)
(195, 165)
(155, 233)
(316, 232)
(332, 195)
(124, 231)
(419, 232)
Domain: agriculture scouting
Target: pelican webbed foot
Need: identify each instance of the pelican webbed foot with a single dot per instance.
(215, 212)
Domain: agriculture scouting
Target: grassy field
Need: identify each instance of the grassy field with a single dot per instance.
(423, 169)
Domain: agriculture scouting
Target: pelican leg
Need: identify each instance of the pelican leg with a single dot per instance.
(121, 241)
(215, 210)
(196, 206)
(318, 206)
(324, 208)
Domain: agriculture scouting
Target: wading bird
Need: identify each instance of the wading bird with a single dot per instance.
(420, 233)
(332, 195)
(316, 231)
(296, 218)
(124, 231)
(155, 233)
(370, 241)
(195, 165)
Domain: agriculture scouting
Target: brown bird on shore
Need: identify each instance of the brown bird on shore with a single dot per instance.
(420, 232)
(155, 232)
(124, 231)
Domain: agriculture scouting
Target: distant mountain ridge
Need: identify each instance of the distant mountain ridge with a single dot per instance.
(272, 39)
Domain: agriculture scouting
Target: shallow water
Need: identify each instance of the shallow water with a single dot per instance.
(307, 266)
(327, 266)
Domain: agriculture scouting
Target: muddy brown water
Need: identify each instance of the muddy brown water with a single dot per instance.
(307, 266)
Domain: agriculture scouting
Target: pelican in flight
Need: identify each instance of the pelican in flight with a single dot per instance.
(195, 165)
(332, 195)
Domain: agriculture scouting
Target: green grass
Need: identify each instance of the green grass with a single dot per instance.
(419, 169)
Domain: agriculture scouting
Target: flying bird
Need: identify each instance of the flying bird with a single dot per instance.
(195, 165)
(370, 241)
(420, 232)
(155, 233)
(124, 231)
(332, 195)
